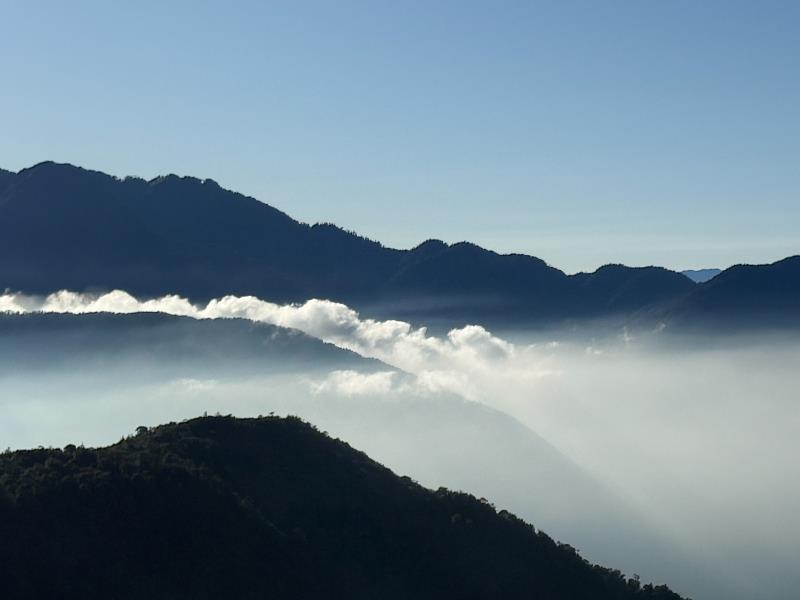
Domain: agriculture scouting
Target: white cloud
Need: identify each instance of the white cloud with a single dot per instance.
(457, 362)
(16, 303)
(353, 383)
(193, 386)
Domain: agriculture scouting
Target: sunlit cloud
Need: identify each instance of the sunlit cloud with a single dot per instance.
(458, 362)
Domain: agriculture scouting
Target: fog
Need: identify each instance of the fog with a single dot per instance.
(674, 457)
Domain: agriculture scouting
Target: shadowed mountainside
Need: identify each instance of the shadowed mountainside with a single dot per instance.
(244, 508)
(6, 177)
(741, 297)
(161, 342)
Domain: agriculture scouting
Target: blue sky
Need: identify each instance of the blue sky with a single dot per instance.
(582, 132)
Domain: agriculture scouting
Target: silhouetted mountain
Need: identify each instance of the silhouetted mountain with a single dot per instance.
(701, 275)
(6, 177)
(749, 295)
(620, 289)
(66, 227)
(222, 507)
(158, 341)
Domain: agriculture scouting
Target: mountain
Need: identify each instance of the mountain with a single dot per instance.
(268, 507)
(63, 227)
(6, 177)
(743, 296)
(701, 275)
(162, 343)
(620, 289)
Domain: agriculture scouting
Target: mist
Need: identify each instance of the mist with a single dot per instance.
(669, 456)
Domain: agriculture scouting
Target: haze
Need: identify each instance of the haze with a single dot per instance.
(669, 456)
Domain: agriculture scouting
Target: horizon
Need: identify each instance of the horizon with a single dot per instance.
(657, 134)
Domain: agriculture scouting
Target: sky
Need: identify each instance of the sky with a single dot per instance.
(584, 133)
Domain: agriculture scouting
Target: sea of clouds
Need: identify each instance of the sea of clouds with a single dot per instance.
(459, 362)
(700, 438)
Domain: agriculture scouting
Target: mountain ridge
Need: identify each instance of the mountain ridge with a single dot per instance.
(65, 227)
(190, 236)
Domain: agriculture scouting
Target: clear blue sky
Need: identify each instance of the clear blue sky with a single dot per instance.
(590, 132)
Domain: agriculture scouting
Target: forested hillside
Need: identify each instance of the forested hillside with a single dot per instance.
(269, 507)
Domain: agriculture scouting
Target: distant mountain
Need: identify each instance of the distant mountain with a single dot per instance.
(65, 227)
(164, 343)
(748, 295)
(621, 289)
(701, 275)
(222, 507)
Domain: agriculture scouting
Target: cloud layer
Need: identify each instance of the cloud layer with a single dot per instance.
(459, 362)
(702, 438)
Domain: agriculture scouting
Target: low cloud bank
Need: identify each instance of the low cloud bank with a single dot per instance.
(459, 362)
(703, 440)
(352, 383)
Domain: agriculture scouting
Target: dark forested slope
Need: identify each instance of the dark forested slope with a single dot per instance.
(222, 507)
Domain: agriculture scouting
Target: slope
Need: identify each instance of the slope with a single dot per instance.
(264, 507)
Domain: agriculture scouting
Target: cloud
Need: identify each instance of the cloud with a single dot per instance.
(17, 303)
(427, 384)
(352, 383)
(193, 386)
(116, 301)
(456, 362)
(702, 439)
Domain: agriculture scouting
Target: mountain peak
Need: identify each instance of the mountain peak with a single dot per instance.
(172, 178)
(51, 166)
(430, 245)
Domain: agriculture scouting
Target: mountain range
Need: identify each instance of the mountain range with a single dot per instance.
(64, 227)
